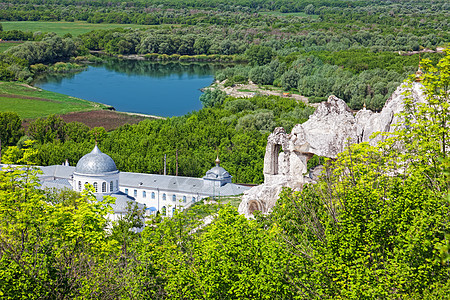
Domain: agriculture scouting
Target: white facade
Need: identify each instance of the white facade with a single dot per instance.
(158, 199)
(163, 193)
(102, 183)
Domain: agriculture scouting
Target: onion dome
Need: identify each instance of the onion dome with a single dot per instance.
(217, 173)
(96, 162)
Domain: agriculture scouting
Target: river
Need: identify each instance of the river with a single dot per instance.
(162, 89)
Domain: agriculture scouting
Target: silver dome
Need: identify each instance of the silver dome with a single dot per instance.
(217, 173)
(96, 162)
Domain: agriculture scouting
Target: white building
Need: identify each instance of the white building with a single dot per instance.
(163, 193)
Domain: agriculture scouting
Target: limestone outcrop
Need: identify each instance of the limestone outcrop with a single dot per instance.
(331, 128)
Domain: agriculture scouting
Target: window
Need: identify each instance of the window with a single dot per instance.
(126, 191)
(85, 184)
(79, 185)
(174, 197)
(96, 186)
(111, 186)
(163, 210)
(153, 195)
(164, 196)
(135, 193)
(104, 187)
(184, 199)
(193, 199)
(117, 184)
(144, 194)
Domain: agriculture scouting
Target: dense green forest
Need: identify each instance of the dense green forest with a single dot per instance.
(375, 226)
(302, 46)
(236, 129)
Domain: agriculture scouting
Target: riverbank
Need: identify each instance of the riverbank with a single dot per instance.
(213, 58)
(250, 89)
(30, 102)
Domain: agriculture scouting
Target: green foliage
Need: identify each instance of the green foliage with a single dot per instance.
(45, 130)
(51, 48)
(259, 55)
(10, 128)
(212, 97)
(197, 136)
(51, 248)
(376, 225)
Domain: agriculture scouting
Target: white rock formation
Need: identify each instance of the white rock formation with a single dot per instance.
(331, 128)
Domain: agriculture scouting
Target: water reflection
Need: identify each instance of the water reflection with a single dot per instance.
(164, 89)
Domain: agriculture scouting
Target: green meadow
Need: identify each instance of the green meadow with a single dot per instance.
(61, 28)
(31, 102)
(6, 45)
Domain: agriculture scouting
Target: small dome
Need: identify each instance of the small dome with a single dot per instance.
(96, 162)
(218, 173)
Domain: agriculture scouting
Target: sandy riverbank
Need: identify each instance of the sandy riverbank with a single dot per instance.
(249, 90)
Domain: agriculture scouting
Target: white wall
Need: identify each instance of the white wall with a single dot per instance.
(158, 202)
(99, 179)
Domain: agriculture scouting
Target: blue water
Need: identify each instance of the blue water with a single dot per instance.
(136, 86)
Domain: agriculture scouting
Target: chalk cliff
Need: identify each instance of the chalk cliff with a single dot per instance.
(327, 132)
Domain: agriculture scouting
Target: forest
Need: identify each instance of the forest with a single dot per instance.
(356, 50)
(374, 226)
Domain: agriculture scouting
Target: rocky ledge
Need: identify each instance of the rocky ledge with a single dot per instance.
(327, 132)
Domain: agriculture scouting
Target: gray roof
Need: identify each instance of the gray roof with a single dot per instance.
(57, 184)
(57, 171)
(178, 184)
(217, 173)
(122, 200)
(96, 162)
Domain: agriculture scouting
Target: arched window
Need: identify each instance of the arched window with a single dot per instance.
(184, 199)
(111, 186)
(96, 186)
(163, 210)
(104, 187)
(144, 194)
(174, 197)
(164, 196)
(153, 195)
(193, 199)
(79, 185)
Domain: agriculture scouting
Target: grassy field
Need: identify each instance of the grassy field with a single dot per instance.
(61, 28)
(6, 45)
(31, 102)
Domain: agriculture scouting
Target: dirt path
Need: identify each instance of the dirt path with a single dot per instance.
(252, 89)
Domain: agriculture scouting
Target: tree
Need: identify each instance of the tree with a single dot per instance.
(309, 9)
(50, 246)
(10, 128)
(289, 80)
(46, 130)
(376, 224)
(258, 55)
(212, 98)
